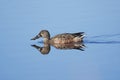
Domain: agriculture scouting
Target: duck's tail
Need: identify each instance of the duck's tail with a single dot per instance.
(79, 34)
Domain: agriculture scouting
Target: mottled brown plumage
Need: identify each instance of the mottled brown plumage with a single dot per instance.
(64, 38)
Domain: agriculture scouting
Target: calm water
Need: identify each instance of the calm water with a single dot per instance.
(20, 20)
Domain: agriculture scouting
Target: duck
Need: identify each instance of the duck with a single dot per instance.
(64, 38)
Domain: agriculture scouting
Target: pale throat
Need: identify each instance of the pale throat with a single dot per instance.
(46, 40)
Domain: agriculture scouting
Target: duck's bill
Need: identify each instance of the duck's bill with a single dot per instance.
(36, 37)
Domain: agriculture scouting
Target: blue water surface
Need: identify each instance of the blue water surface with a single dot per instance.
(20, 20)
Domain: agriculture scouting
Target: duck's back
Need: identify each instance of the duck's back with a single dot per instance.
(67, 37)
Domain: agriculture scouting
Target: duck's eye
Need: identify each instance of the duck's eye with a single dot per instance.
(41, 49)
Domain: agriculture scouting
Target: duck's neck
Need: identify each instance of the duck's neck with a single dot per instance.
(46, 40)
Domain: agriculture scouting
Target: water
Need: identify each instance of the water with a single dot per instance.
(21, 20)
(104, 39)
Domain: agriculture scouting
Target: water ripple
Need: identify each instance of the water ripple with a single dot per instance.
(103, 39)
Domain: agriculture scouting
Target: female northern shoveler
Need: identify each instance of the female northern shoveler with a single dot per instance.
(64, 38)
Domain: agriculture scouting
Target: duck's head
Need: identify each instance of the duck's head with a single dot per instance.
(44, 33)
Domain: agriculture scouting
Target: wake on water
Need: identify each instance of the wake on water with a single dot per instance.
(103, 39)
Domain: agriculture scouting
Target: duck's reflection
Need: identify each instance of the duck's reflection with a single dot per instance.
(45, 49)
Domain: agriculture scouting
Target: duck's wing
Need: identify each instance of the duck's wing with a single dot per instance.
(64, 35)
(69, 35)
